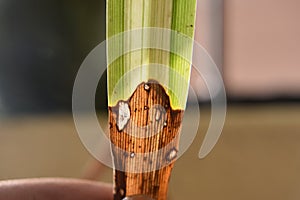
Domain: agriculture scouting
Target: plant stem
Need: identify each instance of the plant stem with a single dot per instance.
(145, 114)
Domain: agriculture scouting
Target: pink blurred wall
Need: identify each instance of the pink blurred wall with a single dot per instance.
(262, 47)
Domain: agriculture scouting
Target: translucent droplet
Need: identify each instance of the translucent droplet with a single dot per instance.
(146, 108)
(146, 87)
(122, 192)
(123, 115)
(165, 124)
(172, 154)
(157, 115)
(132, 154)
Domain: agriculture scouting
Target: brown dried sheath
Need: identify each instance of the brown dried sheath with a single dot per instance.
(149, 106)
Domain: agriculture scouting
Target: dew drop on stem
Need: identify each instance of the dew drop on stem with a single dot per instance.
(132, 154)
(146, 87)
(172, 154)
(123, 115)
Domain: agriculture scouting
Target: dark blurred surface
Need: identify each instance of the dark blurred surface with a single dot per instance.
(42, 46)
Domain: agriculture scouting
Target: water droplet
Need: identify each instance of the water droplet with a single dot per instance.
(122, 192)
(165, 124)
(123, 115)
(157, 115)
(132, 154)
(146, 87)
(146, 108)
(172, 154)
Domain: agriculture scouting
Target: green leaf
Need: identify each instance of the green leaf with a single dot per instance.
(126, 70)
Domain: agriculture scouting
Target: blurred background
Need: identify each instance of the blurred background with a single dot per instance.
(256, 45)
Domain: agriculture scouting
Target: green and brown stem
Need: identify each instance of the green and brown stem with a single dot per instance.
(144, 114)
